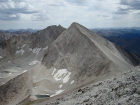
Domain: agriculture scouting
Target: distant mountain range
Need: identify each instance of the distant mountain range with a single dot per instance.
(17, 31)
(128, 38)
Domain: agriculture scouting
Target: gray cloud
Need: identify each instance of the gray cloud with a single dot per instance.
(105, 16)
(136, 15)
(11, 9)
(7, 17)
(41, 17)
(77, 2)
(14, 8)
(130, 5)
(122, 11)
(3, 1)
(17, 10)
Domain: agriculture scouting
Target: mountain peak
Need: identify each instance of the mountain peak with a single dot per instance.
(59, 25)
(74, 24)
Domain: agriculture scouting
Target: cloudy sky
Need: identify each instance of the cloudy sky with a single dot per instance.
(38, 14)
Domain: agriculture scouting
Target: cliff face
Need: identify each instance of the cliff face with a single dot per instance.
(58, 60)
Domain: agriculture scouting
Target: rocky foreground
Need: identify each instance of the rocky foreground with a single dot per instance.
(122, 89)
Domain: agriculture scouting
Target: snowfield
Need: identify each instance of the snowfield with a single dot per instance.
(61, 74)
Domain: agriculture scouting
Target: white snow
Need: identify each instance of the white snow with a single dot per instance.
(60, 86)
(57, 92)
(63, 75)
(25, 71)
(20, 51)
(36, 50)
(1, 57)
(30, 49)
(9, 61)
(67, 77)
(53, 71)
(45, 48)
(72, 82)
(24, 45)
(33, 62)
(9, 73)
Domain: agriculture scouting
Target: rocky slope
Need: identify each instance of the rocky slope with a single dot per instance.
(121, 89)
(56, 61)
(16, 89)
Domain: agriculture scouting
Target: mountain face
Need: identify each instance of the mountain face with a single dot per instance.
(46, 36)
(55, 61)
(80, 50)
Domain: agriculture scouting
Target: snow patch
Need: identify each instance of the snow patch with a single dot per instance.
(20, 51)
(72, 82)
(33, 62)
(24, 71)
(60, 86)
(30, 49)
(24, 45)
(53, 71)
(9, 73)
(1, 57)
(45, 48)
(57, 92)
(62, 74)
(36, 50)
(67, 77)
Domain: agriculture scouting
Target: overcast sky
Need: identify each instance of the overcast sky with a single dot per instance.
(38, 14)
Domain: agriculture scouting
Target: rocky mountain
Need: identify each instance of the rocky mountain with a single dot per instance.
(45, 37)
(55, 61)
